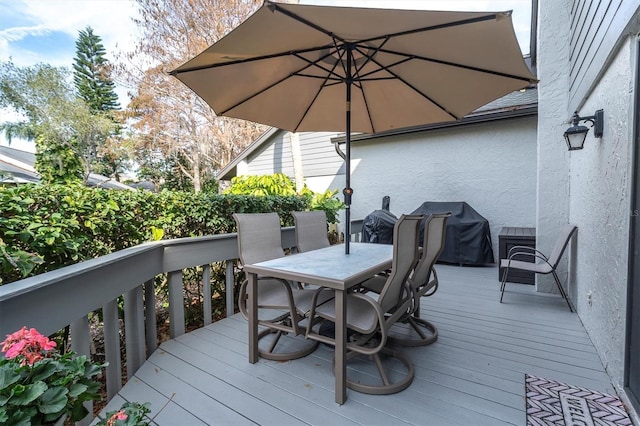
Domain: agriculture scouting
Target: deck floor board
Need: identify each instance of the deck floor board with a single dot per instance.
(473, 374)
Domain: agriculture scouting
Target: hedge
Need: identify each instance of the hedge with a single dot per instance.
(45, 227)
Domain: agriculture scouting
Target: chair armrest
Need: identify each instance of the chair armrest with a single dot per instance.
(537, 255)
(381, 324)
(521, 248)
(530, 252)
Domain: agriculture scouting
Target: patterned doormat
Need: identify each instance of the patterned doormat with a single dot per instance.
(559, 404)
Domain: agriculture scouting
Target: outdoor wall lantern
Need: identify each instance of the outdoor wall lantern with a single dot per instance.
(576, 134)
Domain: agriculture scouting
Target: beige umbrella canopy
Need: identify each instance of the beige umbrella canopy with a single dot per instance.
(321, 68)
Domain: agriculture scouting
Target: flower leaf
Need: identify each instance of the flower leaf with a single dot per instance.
(53, 400)
(7, 377)
(77, 389)
(29, 393)
(43, 370)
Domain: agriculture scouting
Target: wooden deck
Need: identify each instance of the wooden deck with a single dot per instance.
(473, 374)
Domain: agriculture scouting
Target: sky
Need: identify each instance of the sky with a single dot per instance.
(34, 31)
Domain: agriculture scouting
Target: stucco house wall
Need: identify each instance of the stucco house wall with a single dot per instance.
(591, 187)
(491, 166)
(600, 206)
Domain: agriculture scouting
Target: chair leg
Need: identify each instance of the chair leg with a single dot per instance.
(423, 339)
(305, 347)
(385, 386)
(504, 282)
(562, 292)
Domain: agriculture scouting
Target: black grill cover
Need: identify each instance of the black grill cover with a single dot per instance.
(468, 237)
(377, 227)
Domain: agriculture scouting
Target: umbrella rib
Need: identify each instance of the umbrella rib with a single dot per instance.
(306, 111)
(468, 21)
(451, 64)
(317, 65)
(424, 95)
(252, 59)
(369, 56)
(366, 107)
(259, 92)
(360, 78)
(276, 7)
(490, 17)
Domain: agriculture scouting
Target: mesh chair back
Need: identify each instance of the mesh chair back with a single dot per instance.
(561, 244)
(259, 237)
(405, 256)
(311, 230)
(434, 233)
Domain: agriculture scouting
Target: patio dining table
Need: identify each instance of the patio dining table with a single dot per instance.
(327, 267)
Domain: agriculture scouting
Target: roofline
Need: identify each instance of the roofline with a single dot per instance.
(480, 117)
(95, 179)
(223, 172)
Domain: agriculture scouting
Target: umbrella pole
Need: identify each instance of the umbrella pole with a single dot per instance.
(348, 191)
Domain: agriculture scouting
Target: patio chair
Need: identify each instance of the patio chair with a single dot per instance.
(542, 264)
(283, 303)
(368, 320)
(423, 281)
(311, 230)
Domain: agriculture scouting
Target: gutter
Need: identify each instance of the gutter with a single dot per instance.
(481, 117)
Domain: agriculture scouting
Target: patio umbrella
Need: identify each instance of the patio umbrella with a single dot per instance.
(323, 68)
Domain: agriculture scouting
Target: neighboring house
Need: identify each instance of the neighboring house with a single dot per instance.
(487, 159)
(588, 58)
(17, 167)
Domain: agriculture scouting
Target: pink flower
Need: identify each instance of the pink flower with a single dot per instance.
(15, 349)
(27, 343)
(120, 415)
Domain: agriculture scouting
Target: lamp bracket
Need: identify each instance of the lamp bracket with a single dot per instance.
(596, 120)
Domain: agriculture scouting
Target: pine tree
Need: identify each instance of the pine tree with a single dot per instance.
(93, 83)
(91, 73)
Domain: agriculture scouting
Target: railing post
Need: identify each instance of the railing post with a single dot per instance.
(150, 317)
(80, 341)
(112, 347)
(206, 294)
(176, 304)
(134, 330)
(229, 284)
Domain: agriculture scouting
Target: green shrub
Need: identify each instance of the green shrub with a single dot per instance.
(46, 227)
(282, 185)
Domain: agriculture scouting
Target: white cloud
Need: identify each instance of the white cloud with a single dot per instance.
(18, 33)
(110, 19)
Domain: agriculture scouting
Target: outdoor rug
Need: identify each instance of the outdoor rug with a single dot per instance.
(558, 404)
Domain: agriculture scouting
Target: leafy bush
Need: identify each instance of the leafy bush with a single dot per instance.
(262, 185)
(45, 227)
(283, 185)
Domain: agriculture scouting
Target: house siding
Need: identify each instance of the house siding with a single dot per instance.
(273, 158)
(320, 162)
(596, 27)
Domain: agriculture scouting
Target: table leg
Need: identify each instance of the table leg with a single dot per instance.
(341, 346)
(252, 313)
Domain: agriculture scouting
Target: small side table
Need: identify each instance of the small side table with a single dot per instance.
(515, 236)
